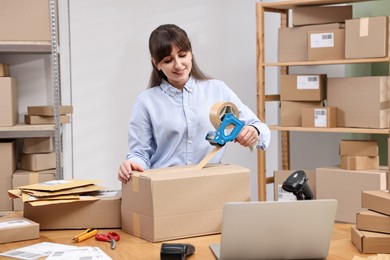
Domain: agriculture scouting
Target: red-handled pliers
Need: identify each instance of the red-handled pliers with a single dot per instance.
(111, 237)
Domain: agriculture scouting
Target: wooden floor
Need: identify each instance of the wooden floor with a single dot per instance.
(130, 247)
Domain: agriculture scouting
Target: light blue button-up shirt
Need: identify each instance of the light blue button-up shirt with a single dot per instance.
(168, 126)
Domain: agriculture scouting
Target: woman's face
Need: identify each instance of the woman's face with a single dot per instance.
(176, 66)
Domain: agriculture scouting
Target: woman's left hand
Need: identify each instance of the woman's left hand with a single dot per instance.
(248, 136)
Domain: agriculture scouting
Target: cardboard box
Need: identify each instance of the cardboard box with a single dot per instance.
(377, 200)
(48, 110)
(103, 213)
(370, 242)
(179, 202)
(4, 70)
(292, 43)
(302, 87)
(355, 162)
(38, 161)
(326, 45)
(291, 114)
(319, 117)
(347, 186)
(360, 101)
(369, 220)
(281, 175)
(44, 120)
(17, 229)
(24, 20)
(359, 147)
(366, 37)
(321, 14)
(8, 101)
(23, 177)
(7, 167)
(38, 145)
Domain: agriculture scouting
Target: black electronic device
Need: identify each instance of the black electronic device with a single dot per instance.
(298, 185)
(173, 251)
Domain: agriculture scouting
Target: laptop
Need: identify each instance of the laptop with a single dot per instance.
(276, 230)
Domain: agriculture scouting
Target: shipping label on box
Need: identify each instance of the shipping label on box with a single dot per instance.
(326, 45)
(370, 242)
(17, 229)
(178, 202)
(346, 186)
(302, 87)
(321, 14)
(369, 220)
(319, 117)
(8, 101)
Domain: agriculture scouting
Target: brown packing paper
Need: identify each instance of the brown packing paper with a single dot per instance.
(77, 190)
(58, 185)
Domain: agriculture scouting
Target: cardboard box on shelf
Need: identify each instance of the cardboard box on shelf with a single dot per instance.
(179, 202)
(48, 110)
(326, 45)
(102, 213)
(4, 70)
(38, 161)
(366, 37)
(45, 120)
(281, 175)
(303, 87)
(38, 145)
(8, 101)
(7, 167)
(360, 101)
(17, 229)
(292, 43)
(319, 117)
(23, 177)
(377, 200)
(24, 20)
(357, 162)
(359, 147)
(370, 242)
(291, 114)
(369, 220)
(310, 15)
(346, 186)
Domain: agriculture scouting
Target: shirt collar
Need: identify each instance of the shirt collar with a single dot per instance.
(173, 92)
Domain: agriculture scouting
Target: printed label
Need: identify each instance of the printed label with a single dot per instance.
(320, 117)
(308, 82)
(322, 40)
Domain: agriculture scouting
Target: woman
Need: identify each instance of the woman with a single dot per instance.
(170, 119)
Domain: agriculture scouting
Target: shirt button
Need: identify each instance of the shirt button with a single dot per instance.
(190, 141)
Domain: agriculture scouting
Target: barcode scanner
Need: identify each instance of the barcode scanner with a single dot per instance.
(298, 185)
(172, 251)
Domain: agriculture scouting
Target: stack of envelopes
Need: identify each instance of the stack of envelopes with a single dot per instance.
(57, 191)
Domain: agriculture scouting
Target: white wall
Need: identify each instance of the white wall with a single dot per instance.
(109, 64)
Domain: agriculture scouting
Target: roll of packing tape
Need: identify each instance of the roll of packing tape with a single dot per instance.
(219, 109)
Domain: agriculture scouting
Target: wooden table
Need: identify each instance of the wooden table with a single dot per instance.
(130, 247)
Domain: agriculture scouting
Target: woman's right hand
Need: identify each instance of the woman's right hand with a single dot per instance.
(126, 170)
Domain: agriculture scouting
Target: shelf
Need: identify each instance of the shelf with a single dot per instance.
(293, 3)
(25, 47)
(331, 130)
(23, 130)
(328, 62)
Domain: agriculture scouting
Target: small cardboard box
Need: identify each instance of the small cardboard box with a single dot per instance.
(347, 186)
(24, 20)
(179, 202)
(369, 220)
(366, 37)
(48, 110)
(321, 14)
(23, 177)
(17, 229)
(360, 101)
(4, 70)
(38, 145)
(377, 200)
(7, 167)
(281, 175)
(357, 162)
(319, 117)
(291, 111)
(38, 161)
(102, 213)
(8, 101)
(292, 43)
(326, 45)
(45, 120)
(359, 147)
(302, 87)
(370, 242)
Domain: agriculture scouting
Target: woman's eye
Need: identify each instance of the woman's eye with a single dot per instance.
(167, 60)
(182, 55)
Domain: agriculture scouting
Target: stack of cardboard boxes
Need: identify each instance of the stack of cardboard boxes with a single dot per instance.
(38, 115)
